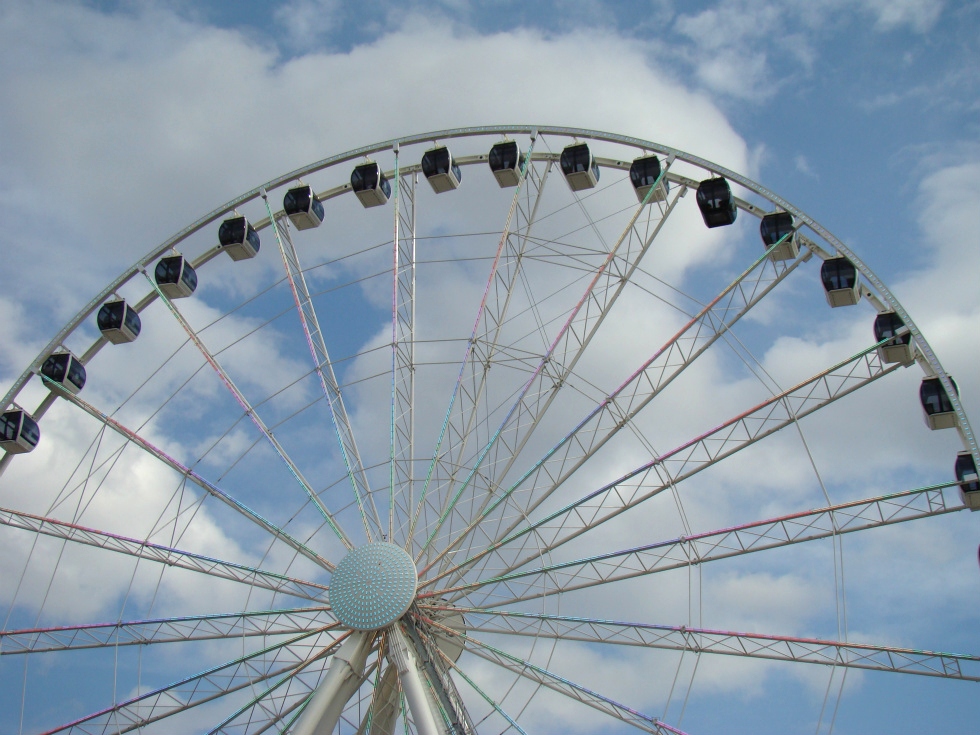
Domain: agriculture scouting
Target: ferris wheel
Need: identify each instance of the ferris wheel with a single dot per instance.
(502, 430)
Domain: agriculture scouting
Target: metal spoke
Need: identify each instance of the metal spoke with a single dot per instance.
(383, 710)
(569, 688)
(624, 403)
(271, 706)
(486, 697)
(537, 395)
(203, 687)
(484, 340)
(401, 473)
(660, 473)
(856, 515)
(162, 630)
(204, 484)
(163, 555)
(698, 640)
(323, 366)
(251, 413)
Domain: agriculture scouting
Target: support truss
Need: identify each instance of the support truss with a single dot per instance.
(570, 689)
(624, 403)
(551, 373)
(698, 640)
(283, 699)
(857, 515)
(484, 343)
(658, 474)
(163, 630)
(210, 488)
(252, 414)
(163, 555)
(324, 368)
(401, 480)
(249, 670)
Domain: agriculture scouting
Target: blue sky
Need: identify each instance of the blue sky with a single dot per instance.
(121, 122)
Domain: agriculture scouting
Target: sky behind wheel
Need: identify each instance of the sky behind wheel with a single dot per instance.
(123, 122)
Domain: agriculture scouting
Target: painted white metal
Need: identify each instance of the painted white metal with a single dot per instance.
(412, 681)
(342, 680)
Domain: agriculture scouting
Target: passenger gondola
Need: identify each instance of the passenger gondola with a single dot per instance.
(773, 228)
(936, 404)
(238, 238)
(840, 281)
(64, 371)
(716, 202)
(966, 475)
(19, 432)
(118, 322)
(303, 208)
(644, 173)
(579, 166)
(505, 162)
(441, 170)
(175, 277)
(898, 348)
(370, 185)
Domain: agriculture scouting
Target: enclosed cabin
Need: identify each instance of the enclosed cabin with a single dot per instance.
(441, 170)
(644, 175)
(303, 208)
(840, 282)
(118, 322)
(579, 167)
(370, 185)
(175, 277)
(716, 202)
(938, 409)
(779, 227)
(238, 238)
(19, 432)
(64, 371)
(505, 162)
(966, 475)
(898, 348)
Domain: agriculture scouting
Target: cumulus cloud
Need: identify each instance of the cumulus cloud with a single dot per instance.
(142, 122)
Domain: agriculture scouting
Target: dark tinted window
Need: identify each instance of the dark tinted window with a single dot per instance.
(645, 171)
(365, 177)
(55, 367)
(111, 315)
(933, 397)
(437, 161)
(253, 238)
(232, 231)
(887, 324)
(29, 431)
(504, 156)
(838, 274)
(76, 374)
(576, 158)
(8, 425)
(133, 321)
(774, 227)
(190, 277)
(966, 466)
(168, 269)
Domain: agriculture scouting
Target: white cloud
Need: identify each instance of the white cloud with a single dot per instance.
(142, 122)
(918, 15)
(306, 22)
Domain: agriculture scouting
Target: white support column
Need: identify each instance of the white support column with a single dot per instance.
(413, 682)
(343, 679)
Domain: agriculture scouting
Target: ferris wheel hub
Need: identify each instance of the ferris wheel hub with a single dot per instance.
(373, 586)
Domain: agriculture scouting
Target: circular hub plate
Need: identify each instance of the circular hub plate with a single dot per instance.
(373, 586)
